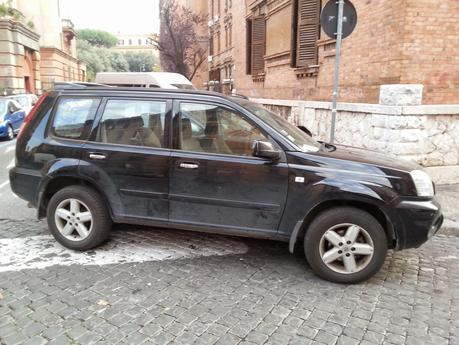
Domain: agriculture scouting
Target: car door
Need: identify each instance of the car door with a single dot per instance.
(128, 157)
(215, 182)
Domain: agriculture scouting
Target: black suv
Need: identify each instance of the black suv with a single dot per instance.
(90, 156)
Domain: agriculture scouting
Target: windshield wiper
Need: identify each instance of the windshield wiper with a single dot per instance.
(327, 147)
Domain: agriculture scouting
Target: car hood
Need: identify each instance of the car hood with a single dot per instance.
(370, 157)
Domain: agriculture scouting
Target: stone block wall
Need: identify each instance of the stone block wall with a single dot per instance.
(428, 135)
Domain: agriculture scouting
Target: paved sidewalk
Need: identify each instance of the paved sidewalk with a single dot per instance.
(448, 196)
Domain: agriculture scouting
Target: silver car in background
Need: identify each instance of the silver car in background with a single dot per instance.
(25, 100)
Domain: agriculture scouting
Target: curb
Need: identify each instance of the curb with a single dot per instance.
(449, 228)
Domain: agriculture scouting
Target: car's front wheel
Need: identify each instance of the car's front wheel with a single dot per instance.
(345, 245)
(78, 218)
(10, 133)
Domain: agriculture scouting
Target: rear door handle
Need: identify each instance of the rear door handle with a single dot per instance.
(97, 156)
(185, 165)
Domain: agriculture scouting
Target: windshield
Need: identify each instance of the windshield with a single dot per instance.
(292, 133)
(22, 100)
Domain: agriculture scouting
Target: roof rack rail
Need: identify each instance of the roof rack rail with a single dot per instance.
(66, 85)
(238, 96)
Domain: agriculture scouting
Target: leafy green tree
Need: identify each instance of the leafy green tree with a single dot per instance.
(100, 59)
(97, 38)
(93, 48)
(88, 54)
(140, 62)
(118, 62)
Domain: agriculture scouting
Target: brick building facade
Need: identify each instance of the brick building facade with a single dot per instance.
(275, 49)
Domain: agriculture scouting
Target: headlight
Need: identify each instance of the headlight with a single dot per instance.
(423, 183)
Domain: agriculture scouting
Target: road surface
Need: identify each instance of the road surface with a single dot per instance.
(11, 207)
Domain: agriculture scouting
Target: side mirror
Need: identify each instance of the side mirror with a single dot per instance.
(265, 149)
(307, 131)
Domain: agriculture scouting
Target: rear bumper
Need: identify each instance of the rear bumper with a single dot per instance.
(24, 183)
(416, 221)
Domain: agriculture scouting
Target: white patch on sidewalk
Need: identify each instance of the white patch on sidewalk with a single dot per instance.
(11, 165)
(10, 148)
(4, 184)
(38, 252)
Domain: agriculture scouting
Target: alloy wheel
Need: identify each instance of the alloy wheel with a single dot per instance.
(10, 133)
(346, 248)
(73, 219)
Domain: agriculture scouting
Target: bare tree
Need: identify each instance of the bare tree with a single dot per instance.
(182, 49)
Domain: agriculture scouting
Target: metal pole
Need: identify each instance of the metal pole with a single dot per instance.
(339, 39)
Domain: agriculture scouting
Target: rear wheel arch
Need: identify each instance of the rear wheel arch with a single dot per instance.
(368, 207)
(56, 184)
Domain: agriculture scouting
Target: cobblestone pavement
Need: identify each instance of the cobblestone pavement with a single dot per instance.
(261, 294)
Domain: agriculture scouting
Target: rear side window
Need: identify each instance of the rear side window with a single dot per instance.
(72, 115)
(133, 122)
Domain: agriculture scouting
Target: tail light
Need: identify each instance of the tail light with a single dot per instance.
(32, 113)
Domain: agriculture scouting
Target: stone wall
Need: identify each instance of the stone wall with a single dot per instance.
(428, 135)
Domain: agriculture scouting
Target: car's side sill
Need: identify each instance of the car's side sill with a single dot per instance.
(251, 233)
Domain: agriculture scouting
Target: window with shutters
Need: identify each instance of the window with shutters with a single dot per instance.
(230, 35)
(307, 29)
(256, 45)
(219, 48)
(211, 45)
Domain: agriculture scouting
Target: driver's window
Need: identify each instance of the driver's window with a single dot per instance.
(214, 129)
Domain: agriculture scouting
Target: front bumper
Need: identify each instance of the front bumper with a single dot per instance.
(3, 131)
(416, 221)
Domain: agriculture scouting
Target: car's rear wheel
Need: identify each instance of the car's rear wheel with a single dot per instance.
(78, 218)
(345, 245)
(10, 133)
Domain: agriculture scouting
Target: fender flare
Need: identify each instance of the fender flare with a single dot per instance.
(299, 226)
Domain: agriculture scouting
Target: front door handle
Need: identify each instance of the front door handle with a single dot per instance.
(97, 156)
(189, 165)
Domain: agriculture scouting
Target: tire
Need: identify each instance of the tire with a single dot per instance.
(10, 133)
(98, 228)
(347, 267)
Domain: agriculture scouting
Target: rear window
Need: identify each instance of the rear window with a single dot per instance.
(72, 115)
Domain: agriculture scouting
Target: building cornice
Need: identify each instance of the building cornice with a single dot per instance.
(12, 25)
(59, 52)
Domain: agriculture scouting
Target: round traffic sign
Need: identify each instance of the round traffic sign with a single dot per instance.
(329, 18)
